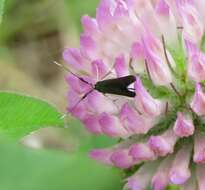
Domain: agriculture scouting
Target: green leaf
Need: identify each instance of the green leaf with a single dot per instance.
(173, 187)
(178, 53)
(23, 169)
(158, 92)
(170, 187)
(2, 2)
(77, 8)
(21, 115)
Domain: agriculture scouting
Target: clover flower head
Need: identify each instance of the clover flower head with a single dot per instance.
(162, 129)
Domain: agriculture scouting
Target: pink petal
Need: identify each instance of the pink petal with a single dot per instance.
(88, 47)
(163, 144)
(99, 103)
(180, 172)
(199, 148)
(156, 62)
(196, 62)
(121, 9)
(145, 103)
(91, 122)
(193, 27)
(77, 85)
(121, 67)
(183, 127)
(90, 25)
(191, 47)
(141, 179)
(99, 69)
(102, 155)
(167, 21)
(161, 179)
(137, 51)
(104, 16)
(137, 55)
(141, 152)
(133, 121)
(145, 11)
(162, 8)
(75, 59)
(122, 159)
(79, 111)
(111, 126)
(198, 101)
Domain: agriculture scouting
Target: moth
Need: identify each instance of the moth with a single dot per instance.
(115, 86)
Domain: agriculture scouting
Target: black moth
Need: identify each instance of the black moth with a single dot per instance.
(116, 86)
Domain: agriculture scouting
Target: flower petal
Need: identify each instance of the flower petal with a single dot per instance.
(133, 121)
(196, 64)
(199, 148)
(198, 101)
(102, 155)
(161, 179)
(91, 122)
(180, 172)
(140, 180)
(183, 127)
(156, 61)
(122, 159)
(111, 126)
(121, 67)
(99, 103)
(145, 103)
(141, 152)
(163, 144)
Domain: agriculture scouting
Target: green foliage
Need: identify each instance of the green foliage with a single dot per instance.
(20, 115)
(179, 56)
(2, 2)
(158, 92)
(23, 169)
(77, 8)
(173, 187)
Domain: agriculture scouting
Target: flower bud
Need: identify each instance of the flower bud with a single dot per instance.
(183, 127)
(198, 101)
(102, 155)
(122, 159)
(163, 144)
(141, 152)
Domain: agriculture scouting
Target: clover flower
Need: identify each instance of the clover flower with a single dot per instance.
(161, 129)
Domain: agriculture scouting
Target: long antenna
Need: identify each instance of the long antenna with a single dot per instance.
(80, 78)
(84, 96)
(68, 70)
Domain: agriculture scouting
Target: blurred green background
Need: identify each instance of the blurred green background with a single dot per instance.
(33, 34)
